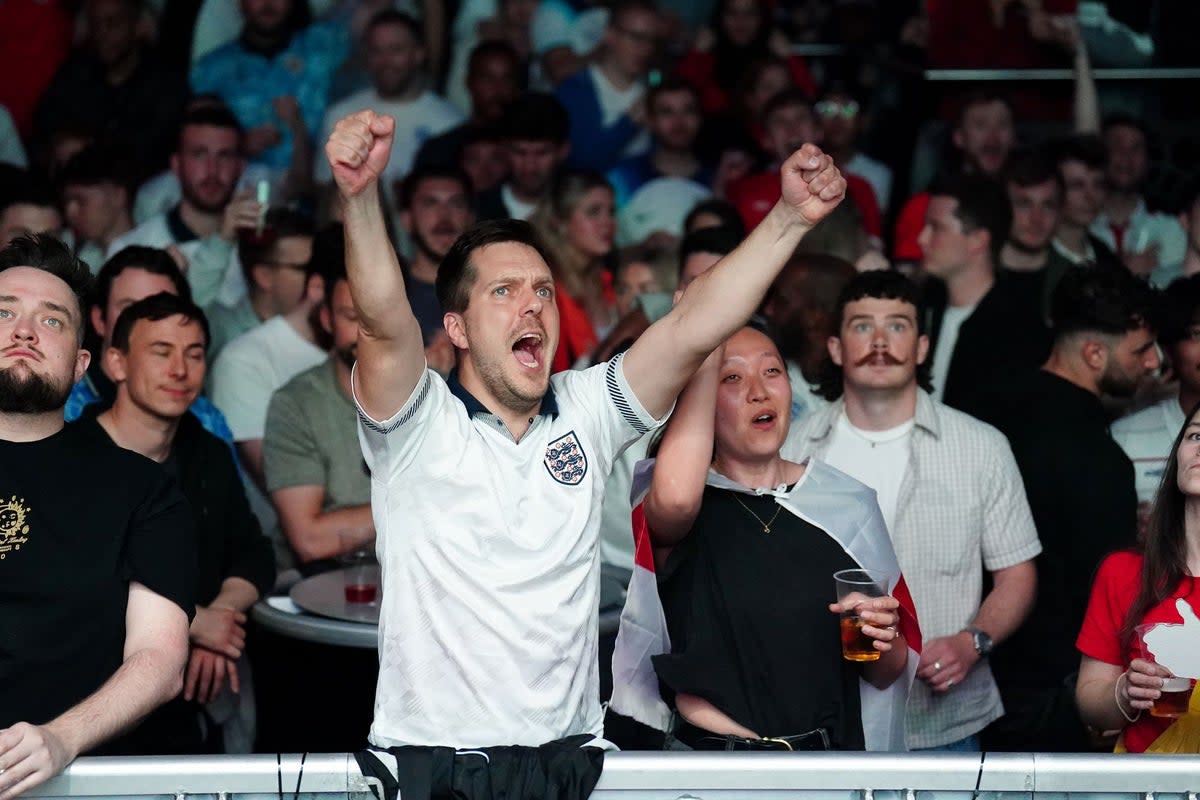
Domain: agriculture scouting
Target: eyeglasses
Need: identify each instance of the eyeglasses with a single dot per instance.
(833, 108)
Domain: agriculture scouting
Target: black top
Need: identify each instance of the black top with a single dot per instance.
(1037, 286)
(1006, 332)
(1080, 486)
(751, 631)
(444, 150)
(80, 518)
(423, 299)
(490, 205)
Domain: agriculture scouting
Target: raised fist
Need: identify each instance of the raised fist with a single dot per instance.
(812, 185)
(358, 151)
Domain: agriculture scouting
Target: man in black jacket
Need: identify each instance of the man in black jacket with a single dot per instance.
(157, 360)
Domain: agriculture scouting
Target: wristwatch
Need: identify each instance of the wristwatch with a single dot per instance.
(983, 643)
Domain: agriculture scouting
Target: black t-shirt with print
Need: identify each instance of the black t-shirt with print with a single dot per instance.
(80, 518)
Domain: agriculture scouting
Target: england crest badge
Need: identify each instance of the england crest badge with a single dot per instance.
(566, 460)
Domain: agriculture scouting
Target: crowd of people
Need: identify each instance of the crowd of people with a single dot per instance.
(509, 290)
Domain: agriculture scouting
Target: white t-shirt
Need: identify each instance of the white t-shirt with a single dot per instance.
(952, 321)
(877, 458)
(487, 626)
(615, 103)
(1147, 437)
(517, 208)
(252, 367)
(876, 173)
(419, 119)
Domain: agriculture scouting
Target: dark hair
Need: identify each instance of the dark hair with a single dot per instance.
(722, 210)
(150, 259)
(494, 47)
(328, 258)
(1084, 148)
(456, 274)
(21, 188)
(982, 205)
(1100, 299)
(390, 16)
(47, 252)
(408, 187)
(730, 59)
(1180, 310)
(622, 7)
(1164, 550)
(99, 164)
(1030, 167)
(787, 98)
(536, 117)
(1121, 119)
(981, 97)
(883, 284)
(282, 223)
(720, 241)
(212, 116)
(671, 85)
(156, 307)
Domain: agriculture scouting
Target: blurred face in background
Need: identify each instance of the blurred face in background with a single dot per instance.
(94, 211)
(741, 21)
(788, 127)
(492, 84)
(394, 57)
(266, 17)
(208, 164)
(675, 119)
(532, 164)
(1035, 215)
(22, 219)
(985, 136)
(772, 80)
(633, 280)
(1128, 158)
(631, 41)
(839, 116)
(592, 226)
(112, 30)
(485, 162)
(439, 211)
(1085, 193)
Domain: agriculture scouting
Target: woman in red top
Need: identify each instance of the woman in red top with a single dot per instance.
(739, 32)
(576, 220)
(1116, 686)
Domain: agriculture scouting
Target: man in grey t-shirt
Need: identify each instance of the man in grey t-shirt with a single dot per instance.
(314, 468)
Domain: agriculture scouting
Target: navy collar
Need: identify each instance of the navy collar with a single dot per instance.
(178, 229)
(548, 408)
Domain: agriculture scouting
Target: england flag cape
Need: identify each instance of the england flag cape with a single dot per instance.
(837, 504)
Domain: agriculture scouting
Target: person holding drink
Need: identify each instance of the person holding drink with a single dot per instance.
(1142, 611)
(746, 547)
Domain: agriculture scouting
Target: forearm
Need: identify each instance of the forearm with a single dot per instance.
(1009, 602)
(317, 537)
(236, 593)
(883, 673)
(145, 680)
(1087, 99)
(376, 282)
(1097, 701)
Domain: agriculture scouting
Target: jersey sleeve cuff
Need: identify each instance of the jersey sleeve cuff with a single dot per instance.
(625, 401)
(420, 394)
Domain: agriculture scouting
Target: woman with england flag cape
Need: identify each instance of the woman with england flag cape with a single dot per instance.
(729, 609)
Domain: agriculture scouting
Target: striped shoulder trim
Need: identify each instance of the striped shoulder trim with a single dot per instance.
(617, 393)
(422, 394)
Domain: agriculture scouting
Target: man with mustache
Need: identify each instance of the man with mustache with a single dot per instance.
(98, 580)
(486, 488)
(1081, 488)
(950, 494)
(314, 469)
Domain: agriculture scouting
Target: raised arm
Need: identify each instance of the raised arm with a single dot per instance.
(720, 301)
(390, 353)
(683, 458)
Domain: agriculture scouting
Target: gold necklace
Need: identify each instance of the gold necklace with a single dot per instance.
(765, 525)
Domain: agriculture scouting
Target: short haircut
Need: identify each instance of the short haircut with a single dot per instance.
(981, 97)
(282, 223)
(328, 258)
(671, 85)
(456, 274)
(154, 308)
(1087, 149)
(1102, 300)
(535, 117)
(788, 98)
(212, 116)
(982, 205)
(492, 48)
(412, 182)
(1122, 119)
(390, 16)
(97, 165)
(719, 241)
(150, 259)
(1180, 310)
(1031, 167)
(722, 210)
(885, 284)
(47, 252)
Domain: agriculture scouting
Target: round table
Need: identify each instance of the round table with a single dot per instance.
(313, 628)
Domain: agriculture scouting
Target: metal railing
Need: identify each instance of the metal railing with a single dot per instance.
(669, 776)
(1113, 74)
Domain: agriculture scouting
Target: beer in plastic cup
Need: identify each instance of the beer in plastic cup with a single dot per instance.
(1176, 691)
(853, 587)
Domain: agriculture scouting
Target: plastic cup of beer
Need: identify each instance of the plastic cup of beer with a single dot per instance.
(853, 587)
(1176, 694)
(358, 570)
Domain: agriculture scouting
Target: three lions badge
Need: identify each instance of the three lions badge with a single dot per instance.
(566, 460)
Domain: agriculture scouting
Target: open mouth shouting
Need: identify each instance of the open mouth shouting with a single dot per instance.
(764, 421)
(528, 350)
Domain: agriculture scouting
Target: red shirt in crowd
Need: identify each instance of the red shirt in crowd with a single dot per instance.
(697, 68)
(35, 38)
(754, 195)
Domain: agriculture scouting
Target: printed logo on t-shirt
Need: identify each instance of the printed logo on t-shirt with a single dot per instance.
(566, 460)
(14, 526)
